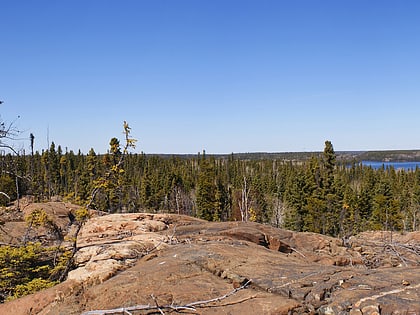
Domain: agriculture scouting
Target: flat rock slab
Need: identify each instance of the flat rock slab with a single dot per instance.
(154, 259)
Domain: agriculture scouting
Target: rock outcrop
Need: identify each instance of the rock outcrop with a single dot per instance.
(162, 260)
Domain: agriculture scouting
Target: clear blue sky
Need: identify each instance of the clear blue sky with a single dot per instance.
(220, 75)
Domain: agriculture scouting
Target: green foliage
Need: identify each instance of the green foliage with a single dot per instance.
(8, 188)
(107, 188)
(30, 287)
(39, 218)
(26, 269)
(82, 214)
(31, 267)
(115, 146)
(63, 259)
(318, 193)
(206, 191)
(329, 160)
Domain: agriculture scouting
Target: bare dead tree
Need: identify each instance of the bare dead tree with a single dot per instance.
(278, 212)
(10, 133)
(244, 202)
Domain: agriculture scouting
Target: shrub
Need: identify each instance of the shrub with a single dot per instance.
(27, 269)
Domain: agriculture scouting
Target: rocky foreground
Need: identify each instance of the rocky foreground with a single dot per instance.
(159, 264)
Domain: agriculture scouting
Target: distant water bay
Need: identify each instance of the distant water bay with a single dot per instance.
(396, 165)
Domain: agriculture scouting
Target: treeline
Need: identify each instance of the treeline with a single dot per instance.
(318, 195)
(386, 156)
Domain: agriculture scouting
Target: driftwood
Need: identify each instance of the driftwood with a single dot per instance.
(161, 308)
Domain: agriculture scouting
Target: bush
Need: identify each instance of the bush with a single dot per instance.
(30, 287)
(27, 269)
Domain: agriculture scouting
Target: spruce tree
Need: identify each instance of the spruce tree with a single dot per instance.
(206, 190)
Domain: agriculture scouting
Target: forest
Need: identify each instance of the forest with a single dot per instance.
(318, 194)
(313, 192)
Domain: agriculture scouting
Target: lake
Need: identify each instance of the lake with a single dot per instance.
(397, 165)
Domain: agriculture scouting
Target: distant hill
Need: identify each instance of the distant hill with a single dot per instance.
(382, 156)
(390, 156)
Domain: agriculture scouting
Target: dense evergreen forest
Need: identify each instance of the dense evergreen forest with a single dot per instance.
(319, 194)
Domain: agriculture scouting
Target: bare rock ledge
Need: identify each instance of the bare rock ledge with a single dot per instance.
(158, 259)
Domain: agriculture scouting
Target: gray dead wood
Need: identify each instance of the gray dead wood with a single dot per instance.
(160, 308)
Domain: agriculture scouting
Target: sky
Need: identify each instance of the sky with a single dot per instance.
(217, 75)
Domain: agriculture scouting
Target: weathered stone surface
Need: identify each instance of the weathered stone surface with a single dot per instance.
(111, 243)
(275, 243)
(370, 310)
(15, 228)
(124, 259)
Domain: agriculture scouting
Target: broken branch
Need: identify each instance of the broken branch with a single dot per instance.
(190, 306)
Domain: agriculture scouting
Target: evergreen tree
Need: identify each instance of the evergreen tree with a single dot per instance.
(206, 190)
(329, 161)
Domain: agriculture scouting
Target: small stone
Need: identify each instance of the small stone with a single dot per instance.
(326, 310)
(405, 282)
(371, 310)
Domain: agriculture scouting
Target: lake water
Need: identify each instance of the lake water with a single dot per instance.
(397, 165)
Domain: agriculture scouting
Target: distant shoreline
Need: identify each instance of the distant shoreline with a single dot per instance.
(357, 156)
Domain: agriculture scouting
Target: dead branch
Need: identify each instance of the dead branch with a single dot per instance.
(396, 253)
(6, 195)
(235, 302)
(160, 308)
(218, 299)
(74, 250)
(382, 294)
(295, 250)
(411, 248)
(171, 237)
(404, 250)
(157, 304)
(169, 241)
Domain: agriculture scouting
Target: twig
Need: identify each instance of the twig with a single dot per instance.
(157, 304)
(397, 254)
(295, 250)
(169, 241)
(190, 306)
(172, 236)
(218, 299)
(235, 302)
(412, 248)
